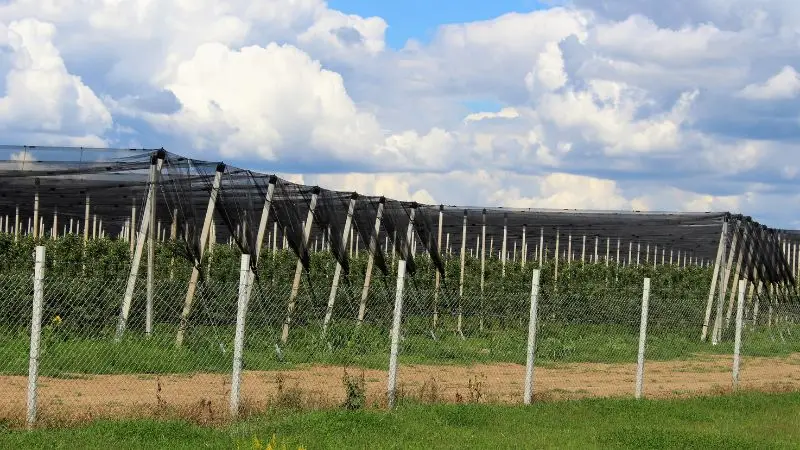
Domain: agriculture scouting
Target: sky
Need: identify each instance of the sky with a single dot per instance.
(690, 105)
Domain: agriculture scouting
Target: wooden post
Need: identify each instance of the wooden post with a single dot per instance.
(398, 314)
(337, 273)
(299, 268)
(155, 166)
(714, 277)
(373, 244)
(204, 238)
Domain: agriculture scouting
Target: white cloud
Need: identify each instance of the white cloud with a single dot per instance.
(41, 95)
(606, 89)
(784, 85)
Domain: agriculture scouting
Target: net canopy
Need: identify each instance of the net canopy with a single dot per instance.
(89, 189)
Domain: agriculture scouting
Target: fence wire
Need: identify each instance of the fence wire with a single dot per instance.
(454, 347)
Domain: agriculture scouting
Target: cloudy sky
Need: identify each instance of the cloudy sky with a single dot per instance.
(619, 104)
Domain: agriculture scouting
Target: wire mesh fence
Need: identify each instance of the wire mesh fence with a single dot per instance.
(304, 348)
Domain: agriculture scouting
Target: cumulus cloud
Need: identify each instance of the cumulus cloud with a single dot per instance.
(609, 105)
(41, 95)
(784, 85)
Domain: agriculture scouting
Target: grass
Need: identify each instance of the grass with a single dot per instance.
(209, 349)
(748, 420)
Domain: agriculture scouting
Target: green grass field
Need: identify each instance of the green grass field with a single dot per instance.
(748, 420)
(208, 349)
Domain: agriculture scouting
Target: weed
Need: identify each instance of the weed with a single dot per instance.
(355, 391)
(429, 391)
(475, 390)
(289, 398)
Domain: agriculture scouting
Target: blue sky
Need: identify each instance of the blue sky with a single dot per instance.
(419, 19)
(619, 104)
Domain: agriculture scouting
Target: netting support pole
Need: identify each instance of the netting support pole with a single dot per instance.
(541, 247)
(596, 249)
(337, 273)
(619, 242)
(16, 223)
(557, 256)
(204, 238)
(133, 227)
(373, 248)
(531, 349)
(438, 280)
(398, 313)
(642, 339)
(155, 166)
(54, 233)
(36, 334)
(462, 257)
(36, 228)
(274, 239)
(714, 277)
(262, 230)
(716, 332)
(583, 250)
(737, 343)
(238, 339)
(152, 199)
(503, 247)
(608, 250)
(298, 272)
(524, 257)
(483, 266)
(736, 272)
(569, 249)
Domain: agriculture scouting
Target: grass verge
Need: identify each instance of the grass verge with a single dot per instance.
(748, 420)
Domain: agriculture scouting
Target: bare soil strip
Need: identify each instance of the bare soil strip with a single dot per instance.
(204, 397)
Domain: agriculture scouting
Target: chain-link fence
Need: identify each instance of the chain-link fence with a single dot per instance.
(304, 350)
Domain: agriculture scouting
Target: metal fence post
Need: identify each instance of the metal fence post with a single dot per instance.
(238, 341)
(36, 333)
(532, 322)
(642, 338)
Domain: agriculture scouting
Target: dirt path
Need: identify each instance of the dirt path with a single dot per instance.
(204, 397)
